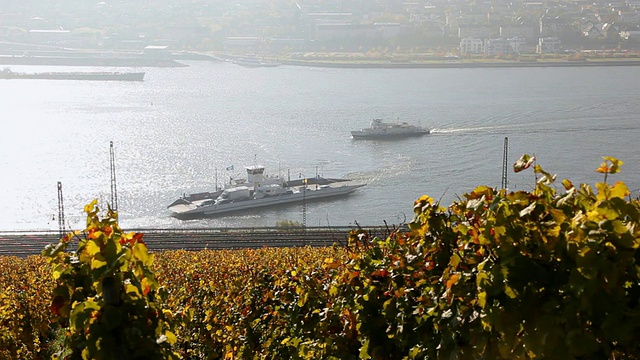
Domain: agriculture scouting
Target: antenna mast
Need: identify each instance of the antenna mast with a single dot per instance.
(61, 226)
(504, 163)
(114, 191)
(304, 204)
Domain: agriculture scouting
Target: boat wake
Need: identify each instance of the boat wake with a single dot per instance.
(479, 129)
(573, 125)
(391, 168)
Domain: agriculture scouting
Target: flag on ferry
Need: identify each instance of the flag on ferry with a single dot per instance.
(230, 168)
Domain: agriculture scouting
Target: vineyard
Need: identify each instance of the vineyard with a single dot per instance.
(496, 275)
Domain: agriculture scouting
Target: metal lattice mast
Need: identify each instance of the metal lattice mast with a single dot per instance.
(504, 163)
(304, 204)
(61, 225)
(114, 190)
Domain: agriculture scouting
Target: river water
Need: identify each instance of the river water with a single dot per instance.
(180, 129)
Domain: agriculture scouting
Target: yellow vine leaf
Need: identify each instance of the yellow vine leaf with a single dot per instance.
(605, 168)
(554, 231)
(91, 248)
(604, 191)
(619, 190)
(98, 262)
(607, 212)
(89, 208)
(568, 185)
(132, 291)
(58, 270)
(425, 198)
(509, 291)
(594, 215)
(619, 227)
(141, 253)
(480, 192)
(558, 215)
(615, 164)
(171, 338)
(482, 299)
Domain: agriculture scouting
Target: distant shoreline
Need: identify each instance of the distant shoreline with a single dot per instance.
(441, 64)
(88, 61)
(460, 65)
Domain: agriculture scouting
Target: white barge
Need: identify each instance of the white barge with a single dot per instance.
(7, 74)
(257, 192)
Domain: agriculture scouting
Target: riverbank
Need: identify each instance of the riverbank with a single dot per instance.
(364, 63)
(89, 61)
(459, 64)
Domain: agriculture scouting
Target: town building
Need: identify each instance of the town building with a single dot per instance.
(549, 45)
(470, 45)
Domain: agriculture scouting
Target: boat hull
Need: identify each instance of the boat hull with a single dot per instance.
(252, 65)
(385, 130)
(254, 61)
(198, 198)
(387, 135)
(193, 212)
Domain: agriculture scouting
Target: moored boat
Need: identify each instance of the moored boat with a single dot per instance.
(383, 130)
(7, 74)
(253, 61)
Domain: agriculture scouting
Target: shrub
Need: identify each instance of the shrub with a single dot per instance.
(107, 296)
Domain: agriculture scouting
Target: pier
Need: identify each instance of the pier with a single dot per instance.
(25, 243)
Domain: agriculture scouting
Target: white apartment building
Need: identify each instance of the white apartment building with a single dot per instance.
(470, 45)
(498, 46)
(518, 44)
(548, 45)
(629, 17)
(493, 47)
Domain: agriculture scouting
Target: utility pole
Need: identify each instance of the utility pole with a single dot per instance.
(504, 163)
(114, 190)
(61, 225)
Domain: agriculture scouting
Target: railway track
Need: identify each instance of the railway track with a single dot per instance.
(32, 243)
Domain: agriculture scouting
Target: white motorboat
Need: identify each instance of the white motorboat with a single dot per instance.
(382, 130)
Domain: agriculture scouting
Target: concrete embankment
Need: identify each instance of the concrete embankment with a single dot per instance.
(32, 243)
